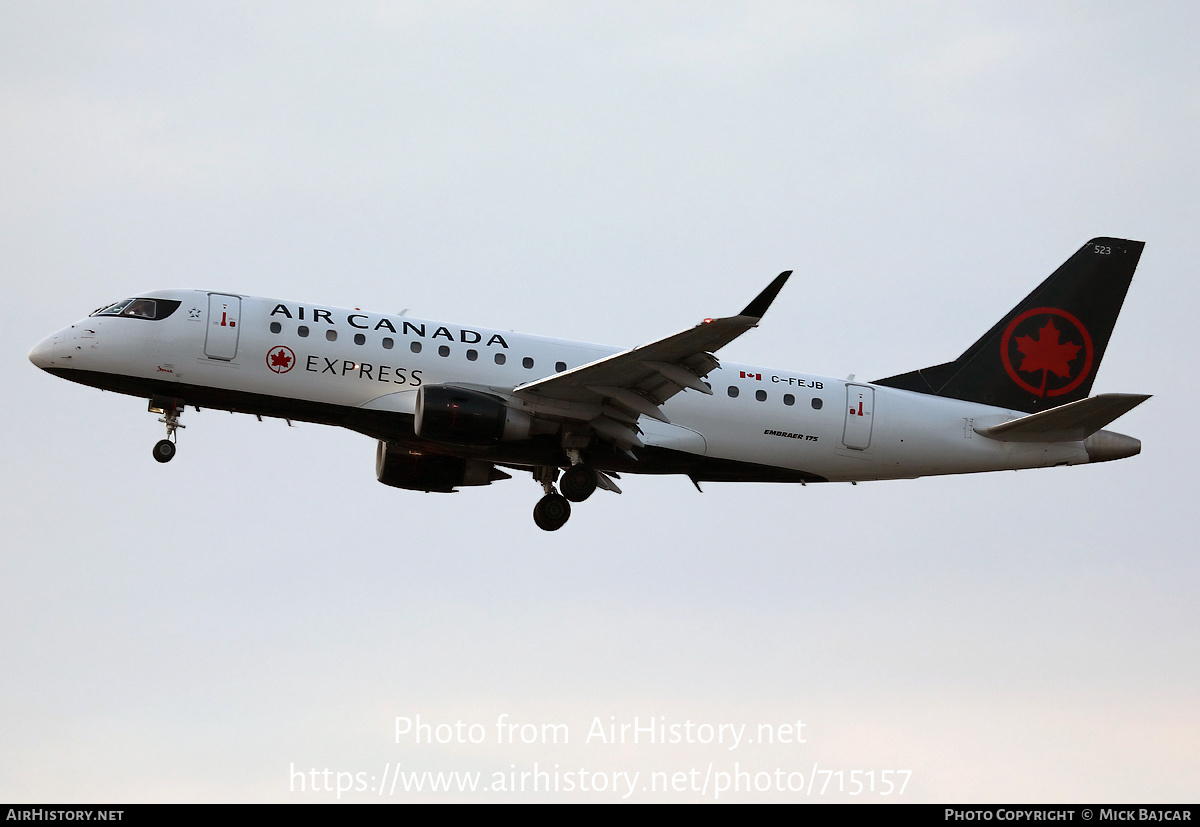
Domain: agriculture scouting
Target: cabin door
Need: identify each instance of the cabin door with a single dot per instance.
(221, 340)
(860, 403)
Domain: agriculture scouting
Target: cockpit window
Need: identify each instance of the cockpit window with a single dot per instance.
(112, 309)
(140, 308)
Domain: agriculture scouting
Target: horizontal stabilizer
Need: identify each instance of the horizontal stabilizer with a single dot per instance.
(1066, 423)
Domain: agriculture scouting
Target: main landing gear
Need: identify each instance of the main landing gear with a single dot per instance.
(578, 482)
(164, 449)
(552, 511)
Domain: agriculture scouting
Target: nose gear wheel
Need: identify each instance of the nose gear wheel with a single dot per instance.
(164, 450)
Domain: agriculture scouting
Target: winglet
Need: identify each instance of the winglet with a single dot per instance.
(758, 308)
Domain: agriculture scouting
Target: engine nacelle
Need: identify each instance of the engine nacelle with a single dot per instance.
(417, 471)
(461, 416)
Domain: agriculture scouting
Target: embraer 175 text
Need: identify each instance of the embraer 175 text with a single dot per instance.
(452, 405)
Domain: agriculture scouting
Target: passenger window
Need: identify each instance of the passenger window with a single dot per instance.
(499, 358)
(733, 391)
(527, 363)
(444, 350)
(415, 347)
(276, 327)
(360, 339)
(472, 355)
(388, 343)
(302, 331)
(788, 399)
(817, 403)
(761, 396)
(331, 335)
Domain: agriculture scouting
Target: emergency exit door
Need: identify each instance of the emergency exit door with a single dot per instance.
(221, 340)
(860, 402)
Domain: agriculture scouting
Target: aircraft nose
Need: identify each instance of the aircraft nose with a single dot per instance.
(42, 354)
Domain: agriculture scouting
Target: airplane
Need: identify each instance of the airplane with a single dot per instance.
(451, 406)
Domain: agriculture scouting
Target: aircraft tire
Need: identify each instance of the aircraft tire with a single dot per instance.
(552, 512)
(164, 450)
(577, 483)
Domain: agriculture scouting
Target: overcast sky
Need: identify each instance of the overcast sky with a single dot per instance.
(611, 173)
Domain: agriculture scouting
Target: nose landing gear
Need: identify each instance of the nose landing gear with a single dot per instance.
(164, 449)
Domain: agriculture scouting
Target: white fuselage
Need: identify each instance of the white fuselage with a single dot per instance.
(306, 362)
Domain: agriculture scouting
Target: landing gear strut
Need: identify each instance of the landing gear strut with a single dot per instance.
(552, 511)
(164, 449)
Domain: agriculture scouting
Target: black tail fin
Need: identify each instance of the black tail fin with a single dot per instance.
(1046, 351)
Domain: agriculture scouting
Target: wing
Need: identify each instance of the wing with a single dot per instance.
(638, 381)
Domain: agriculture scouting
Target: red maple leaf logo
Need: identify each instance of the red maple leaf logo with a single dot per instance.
(1047, 354)
(281, 360)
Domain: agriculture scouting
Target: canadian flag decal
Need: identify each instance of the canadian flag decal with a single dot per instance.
(745, 375)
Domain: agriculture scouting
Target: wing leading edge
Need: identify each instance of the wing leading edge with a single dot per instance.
(636, 382)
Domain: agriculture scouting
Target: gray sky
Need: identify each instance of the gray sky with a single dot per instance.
(612, 173)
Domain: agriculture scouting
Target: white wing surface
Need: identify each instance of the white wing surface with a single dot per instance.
(636, 382)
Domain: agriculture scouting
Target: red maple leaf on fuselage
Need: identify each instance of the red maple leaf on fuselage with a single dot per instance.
(280, 359)
(1047, 354)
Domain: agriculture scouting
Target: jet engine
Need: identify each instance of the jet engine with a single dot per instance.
(418, 471)
(446, 413)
